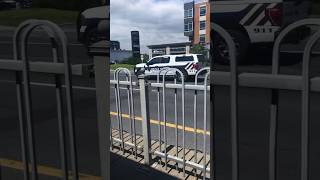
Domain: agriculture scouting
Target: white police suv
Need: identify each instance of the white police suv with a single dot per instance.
(188, 64)
(255, 22)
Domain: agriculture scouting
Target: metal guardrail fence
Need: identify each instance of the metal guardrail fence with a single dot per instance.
(61, 69)
(161, 89)
(21, 65)
(274, 82)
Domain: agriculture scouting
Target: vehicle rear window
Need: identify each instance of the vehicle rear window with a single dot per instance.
(184, 58)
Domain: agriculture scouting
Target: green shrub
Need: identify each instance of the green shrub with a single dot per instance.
(116, 66)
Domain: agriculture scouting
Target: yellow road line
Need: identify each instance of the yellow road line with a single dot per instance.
(43, 170)
(171, 125)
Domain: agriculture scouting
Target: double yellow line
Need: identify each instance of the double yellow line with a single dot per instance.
(170, 125)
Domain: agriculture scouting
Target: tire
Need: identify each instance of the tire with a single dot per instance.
(221, 52)
(185, 75)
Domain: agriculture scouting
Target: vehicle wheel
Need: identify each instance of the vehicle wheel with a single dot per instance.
(91, 37)
(221, 52)
(185, 75)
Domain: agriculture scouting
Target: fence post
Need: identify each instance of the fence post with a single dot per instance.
(100, 53)
(144, 100)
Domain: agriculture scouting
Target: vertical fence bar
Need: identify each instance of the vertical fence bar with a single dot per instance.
(195, 119)
(120, 113)
(116, 86)
(305, 124)
(234, 114)
(102, 76)
(159, 112)
(305, 121)
(234, 99)
(22, 126)
(195, 100)
(130, 114)
(205, 125)
(183, 121)
(62, 134)
(164, 119)
(60, 109)
(28, 108)
(69, 102)
(133, 119)
(176, 121)
(21, 109)
(144, 99)
(159, 115)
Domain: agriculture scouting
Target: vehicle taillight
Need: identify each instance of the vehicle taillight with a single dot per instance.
(196, 66)
(274, 15)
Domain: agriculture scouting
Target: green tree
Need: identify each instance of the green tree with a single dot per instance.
(199, 49)
(145, 58)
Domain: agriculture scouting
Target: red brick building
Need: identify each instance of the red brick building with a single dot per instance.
(197, 22)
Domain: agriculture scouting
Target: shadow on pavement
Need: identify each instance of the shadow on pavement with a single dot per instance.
(122, 168)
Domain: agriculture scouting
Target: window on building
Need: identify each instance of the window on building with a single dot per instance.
(188, 26)
(178, 49)
(188, 13)
(203, 10)
(202, 38)
(202, 25)
(159, 51)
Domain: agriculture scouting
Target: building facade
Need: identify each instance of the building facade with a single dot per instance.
(197, 22)
(135, 42)
(167, 49)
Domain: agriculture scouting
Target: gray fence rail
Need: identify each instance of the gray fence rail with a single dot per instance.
(274, 82)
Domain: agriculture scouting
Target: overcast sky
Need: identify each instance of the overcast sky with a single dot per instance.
(159, 21)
